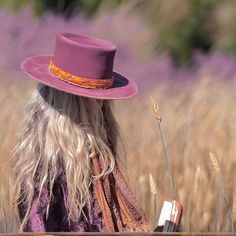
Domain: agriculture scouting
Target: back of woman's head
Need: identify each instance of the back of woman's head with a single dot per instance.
(66, 130)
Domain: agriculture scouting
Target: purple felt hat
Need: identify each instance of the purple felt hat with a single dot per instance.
(81, 65)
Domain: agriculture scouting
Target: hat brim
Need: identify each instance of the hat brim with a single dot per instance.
(36, 68)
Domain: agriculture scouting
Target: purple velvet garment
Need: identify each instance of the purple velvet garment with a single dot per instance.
(57, 220)
(113, 206)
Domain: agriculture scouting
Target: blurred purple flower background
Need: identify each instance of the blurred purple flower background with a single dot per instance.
(23, 35)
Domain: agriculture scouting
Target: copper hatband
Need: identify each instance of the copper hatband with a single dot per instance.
(79, 80)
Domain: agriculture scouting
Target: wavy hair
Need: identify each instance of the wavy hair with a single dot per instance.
(67, 130)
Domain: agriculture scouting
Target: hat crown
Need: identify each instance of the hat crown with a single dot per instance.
(84, 56)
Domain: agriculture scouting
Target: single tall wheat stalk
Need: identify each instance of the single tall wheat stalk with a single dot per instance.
(216, 168)
(158, 116)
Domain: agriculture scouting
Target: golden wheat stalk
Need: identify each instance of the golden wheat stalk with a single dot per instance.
(216, 167)
(214, 163)
(153, 188)
(158, 116)
(156, 110)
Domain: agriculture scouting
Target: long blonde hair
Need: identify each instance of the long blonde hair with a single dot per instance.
(67, 130)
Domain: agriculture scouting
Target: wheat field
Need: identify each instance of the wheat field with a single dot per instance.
(196, 103)
(198, 123)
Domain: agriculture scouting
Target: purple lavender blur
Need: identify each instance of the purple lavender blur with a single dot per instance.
(22, 35)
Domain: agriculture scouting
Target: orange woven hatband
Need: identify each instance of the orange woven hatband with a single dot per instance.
(79, 80)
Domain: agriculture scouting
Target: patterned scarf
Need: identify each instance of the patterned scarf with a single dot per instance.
(120, 209)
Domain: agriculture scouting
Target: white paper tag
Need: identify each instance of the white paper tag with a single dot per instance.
(165, 213)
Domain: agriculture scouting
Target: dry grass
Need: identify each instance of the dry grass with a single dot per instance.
(194, 123)
(12, 100)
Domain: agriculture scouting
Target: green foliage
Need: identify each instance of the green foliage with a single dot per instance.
(180, 26)
(67, 8)
(191, 33)
(13, 4)
(186, 25)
